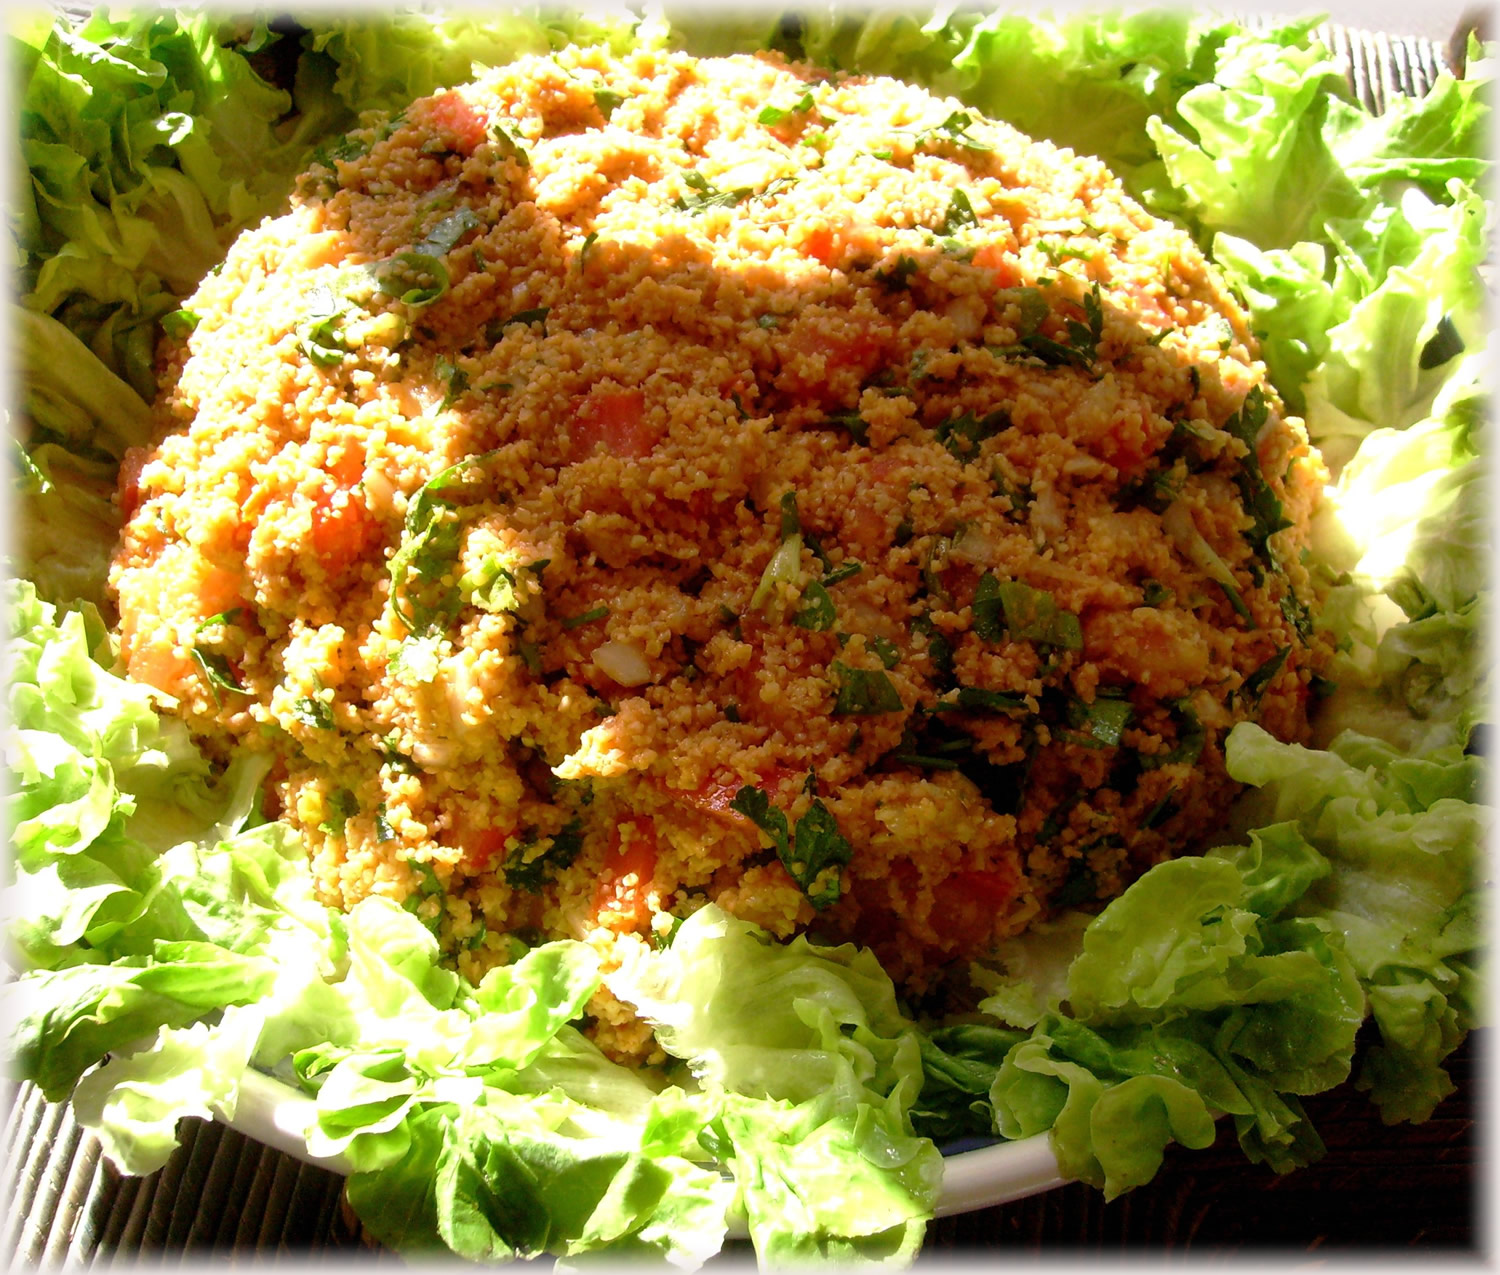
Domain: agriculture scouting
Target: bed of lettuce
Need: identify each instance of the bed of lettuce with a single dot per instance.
(166, 938)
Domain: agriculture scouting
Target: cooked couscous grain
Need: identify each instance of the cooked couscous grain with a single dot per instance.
(618, 484)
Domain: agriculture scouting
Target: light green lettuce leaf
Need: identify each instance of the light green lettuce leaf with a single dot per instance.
(812, 1064)
(1404, 839)
(385, 62)
(134, 1101)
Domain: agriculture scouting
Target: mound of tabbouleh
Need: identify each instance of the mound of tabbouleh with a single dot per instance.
(617, 485)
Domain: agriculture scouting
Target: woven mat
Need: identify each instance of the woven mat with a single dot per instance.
(223, 1194)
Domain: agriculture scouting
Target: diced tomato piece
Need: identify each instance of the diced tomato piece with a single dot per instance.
(449, 113)
(615, 420)
(484, 847)
(217, 589)
(157, 662)
(131, 465)
(1001, 265)
(346, 465)
(867, 529)
(714, 794)
(820, 243)
(966, 905)
(342, 530)
(620, 899)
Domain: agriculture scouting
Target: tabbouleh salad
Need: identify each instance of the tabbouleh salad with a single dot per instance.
(618, 485)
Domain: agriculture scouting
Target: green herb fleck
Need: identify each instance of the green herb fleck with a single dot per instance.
(814, 853)
(455, 381)
(898, 277)
(342, 807)
(313, 712)
(886, 651)
(988, 621)
(771, 115)
(963, 434)
(178, 324)
(1032, 615)
(588, 617)
(1105, 718)
(531, 866)
(960, 214)
(817, 611)
(1256, 684)
(428, 549)
(510, 146)
(864, 692)
(706, 195)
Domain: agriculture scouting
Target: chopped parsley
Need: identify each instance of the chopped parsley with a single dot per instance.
(843, 572)
(1261, 503)
(813, 853)
(1162, 810)
(529, 867)
(429, 885)
(491, 587)
(495, 329)
(817, 612)
(859, 429)
(1154, 593)
(963, 434)
(320, 334)
(1032, 615)
(886, 651)
(898, 277)
(423, 595)
(864, 692)
(216, 669)
(1191, 737)
(510, 146)
(706, 195)
(960, 214)
(455, 381)
(1081, 349)
(1256, 684)
(342, 807)
(606, 100)
(975, 699)
(988, 614)
(313, 712)
(954, 129)
(785, 566)
(383, 829)
(1105, 719)
(772, 115)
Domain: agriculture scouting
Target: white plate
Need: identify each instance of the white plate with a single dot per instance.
(278, 1116)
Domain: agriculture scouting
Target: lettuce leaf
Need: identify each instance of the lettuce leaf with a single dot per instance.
(812, 1070)
(385, 62)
